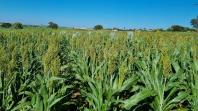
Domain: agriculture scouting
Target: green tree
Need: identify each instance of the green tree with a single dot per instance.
(6, 25)
(18, 25)
(98, 27)
(176, 28)
(194, 22)
(53, 25)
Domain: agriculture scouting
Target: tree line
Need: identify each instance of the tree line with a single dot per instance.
(15, 25)
(52, 25)
(19, 25)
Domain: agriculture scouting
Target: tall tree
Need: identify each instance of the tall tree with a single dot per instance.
(53, 25)
(194, 22)
(98, 27)
(18, 25)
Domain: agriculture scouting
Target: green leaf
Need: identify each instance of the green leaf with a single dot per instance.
(135, 99)
(56, 101)
(176, 66)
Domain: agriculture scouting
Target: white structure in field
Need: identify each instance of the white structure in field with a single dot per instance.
(130, 35)
(63, 33)
(76, 34)
(112, 35)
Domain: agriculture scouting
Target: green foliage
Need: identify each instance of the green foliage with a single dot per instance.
(98, 27)
(58, 70)
(177, 28)
(53, 25)
(194, 22)
(17, 25)
(45, 93)
(6, 25)
(103, 91)
(152, 77)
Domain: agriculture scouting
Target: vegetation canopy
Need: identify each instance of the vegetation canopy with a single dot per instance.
(6, 25)
(194, 23)
(53, 25)
(98, 27)
(80, 70)
(17, 25)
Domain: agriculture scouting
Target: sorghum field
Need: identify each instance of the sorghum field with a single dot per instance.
(69, 70)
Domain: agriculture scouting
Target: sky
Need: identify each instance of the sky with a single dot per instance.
(109, 13)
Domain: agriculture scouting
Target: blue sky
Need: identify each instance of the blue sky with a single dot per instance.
(109, 13)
